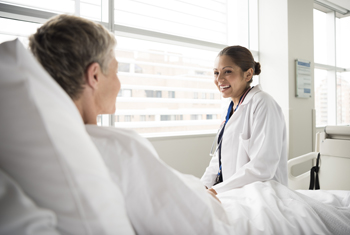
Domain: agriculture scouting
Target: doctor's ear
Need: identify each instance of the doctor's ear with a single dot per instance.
(248, 74)
(92, 75)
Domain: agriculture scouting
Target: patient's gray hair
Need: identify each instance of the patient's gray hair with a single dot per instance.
(66, 45)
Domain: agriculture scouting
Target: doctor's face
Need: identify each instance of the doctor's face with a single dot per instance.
(229, 78)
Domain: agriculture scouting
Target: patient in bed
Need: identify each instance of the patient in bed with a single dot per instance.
(79, 55)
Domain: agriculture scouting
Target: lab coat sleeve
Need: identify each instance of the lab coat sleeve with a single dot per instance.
(264, 147)
(209, 176)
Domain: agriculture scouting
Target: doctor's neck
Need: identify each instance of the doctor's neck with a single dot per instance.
(236, 99)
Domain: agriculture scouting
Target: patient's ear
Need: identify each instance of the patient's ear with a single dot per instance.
(92, 75)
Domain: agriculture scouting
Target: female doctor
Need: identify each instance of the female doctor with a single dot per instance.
(251, 142)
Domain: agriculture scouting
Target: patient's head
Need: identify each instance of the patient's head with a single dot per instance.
(79, 55)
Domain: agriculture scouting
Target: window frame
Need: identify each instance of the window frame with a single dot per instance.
(332, 70)
(21, 13)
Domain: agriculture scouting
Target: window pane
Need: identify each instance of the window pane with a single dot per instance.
(12, 29)
(167, 86)
(96, 10)
(321, 97)
(343, 39)
(61, 6)
(253, 25)
(343, 98)
(256, 78)
(93, 10)
(103, 120)
(320, 37)
(198, 19)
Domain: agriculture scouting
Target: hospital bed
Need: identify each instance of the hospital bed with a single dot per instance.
(53, 180)
(334, 173)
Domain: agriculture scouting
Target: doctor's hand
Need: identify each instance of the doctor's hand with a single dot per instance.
(213, 195)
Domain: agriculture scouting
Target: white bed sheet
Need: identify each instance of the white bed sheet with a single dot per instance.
(336, 198)
(272, 208)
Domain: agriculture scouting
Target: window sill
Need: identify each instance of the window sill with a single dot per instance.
(180, 135)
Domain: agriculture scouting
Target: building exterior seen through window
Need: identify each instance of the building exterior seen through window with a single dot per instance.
(166, 52)
(331, 75)
(172, 90)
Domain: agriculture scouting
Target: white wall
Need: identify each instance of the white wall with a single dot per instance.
(285, 34)
(188, 154)
(301, 46)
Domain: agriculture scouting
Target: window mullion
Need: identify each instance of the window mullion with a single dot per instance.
(111, 28)
(77, 8)
(111, 15)
(332, 82)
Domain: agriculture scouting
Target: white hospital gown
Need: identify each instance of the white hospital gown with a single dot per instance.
(159, 200)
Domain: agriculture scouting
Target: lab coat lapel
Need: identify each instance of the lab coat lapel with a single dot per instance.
(247, 99)
(251, 93)
(233, 136)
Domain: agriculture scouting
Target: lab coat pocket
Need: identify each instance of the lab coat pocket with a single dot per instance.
(244, 143)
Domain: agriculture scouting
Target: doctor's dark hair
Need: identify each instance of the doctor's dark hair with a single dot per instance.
(66, 45)
(242, 57)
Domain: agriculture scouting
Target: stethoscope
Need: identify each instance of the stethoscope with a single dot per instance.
(212, 153)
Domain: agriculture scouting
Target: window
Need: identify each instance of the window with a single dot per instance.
(209, 116)
(99, 120)
(196, 117)
(127, 118)
(138, 69)
(191, 19)
(165, 50)
(123, 67)
(171, 117)
(331, 75)
(156, 94)
(171, 94)
(321, 97)
(11, 29)
(125, 93)
(343, 98)
(167, 117)
(342, 42)
(92, 9)
(104, 120)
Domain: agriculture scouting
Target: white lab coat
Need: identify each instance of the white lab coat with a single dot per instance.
(158, 199)
(254, 145)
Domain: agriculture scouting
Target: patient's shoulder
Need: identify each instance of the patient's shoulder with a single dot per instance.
(124, 139)
(111, 132)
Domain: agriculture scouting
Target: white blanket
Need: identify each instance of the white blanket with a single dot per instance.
(160, 200)
(272, 208)
(337, 198)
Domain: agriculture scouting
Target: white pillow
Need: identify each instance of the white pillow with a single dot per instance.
(44, 147)
(19, 215)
